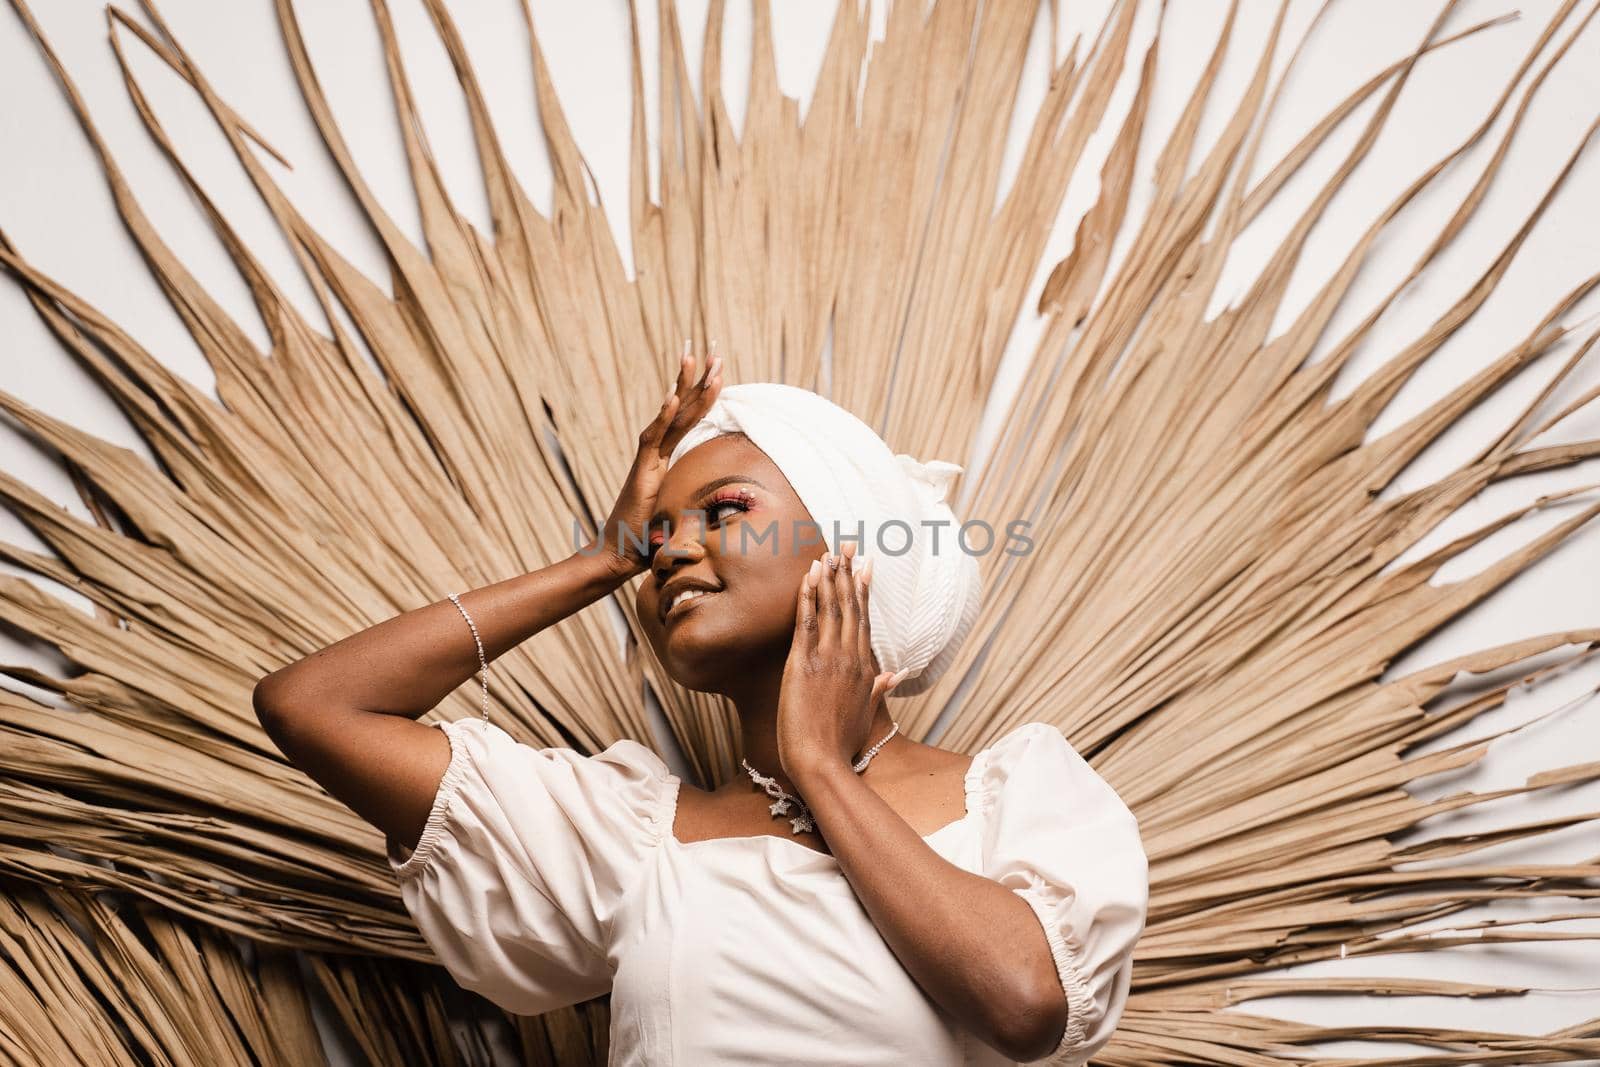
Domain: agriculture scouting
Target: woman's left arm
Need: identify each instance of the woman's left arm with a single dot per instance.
(973, 945)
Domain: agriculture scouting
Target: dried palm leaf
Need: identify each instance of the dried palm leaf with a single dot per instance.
(1210, 632)
(87, 982)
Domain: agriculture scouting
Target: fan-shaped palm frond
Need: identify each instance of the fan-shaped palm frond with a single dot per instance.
(1207, 618)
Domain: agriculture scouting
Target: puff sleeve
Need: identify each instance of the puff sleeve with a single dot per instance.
(523, 860)
(1058, 835)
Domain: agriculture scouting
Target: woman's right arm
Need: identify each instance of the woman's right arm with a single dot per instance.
(345, 714)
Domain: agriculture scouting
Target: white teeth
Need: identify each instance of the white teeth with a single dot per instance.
(687, 594)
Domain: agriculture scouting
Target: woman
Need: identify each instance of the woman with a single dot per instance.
(854, 896)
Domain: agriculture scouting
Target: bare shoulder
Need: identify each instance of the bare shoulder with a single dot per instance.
(701, 813)
(926, 785)
(918, 759)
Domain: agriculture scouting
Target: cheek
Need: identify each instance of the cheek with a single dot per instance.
(755, 577)
(776, 541)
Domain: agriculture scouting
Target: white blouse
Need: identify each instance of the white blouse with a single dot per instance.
(545, 877)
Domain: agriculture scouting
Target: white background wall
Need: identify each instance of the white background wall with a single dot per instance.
(54, 206)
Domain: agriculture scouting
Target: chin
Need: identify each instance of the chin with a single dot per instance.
(701, 658)
(697, 665)
(695, 683)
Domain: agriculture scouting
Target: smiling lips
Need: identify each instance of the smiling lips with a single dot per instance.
(688, 596)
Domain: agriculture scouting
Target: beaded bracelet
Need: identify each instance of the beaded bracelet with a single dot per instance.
(481, 660)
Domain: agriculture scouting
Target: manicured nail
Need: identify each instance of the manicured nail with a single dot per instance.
(814, 570)
(865, 570)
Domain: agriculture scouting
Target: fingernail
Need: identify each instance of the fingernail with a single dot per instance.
(865, 570)
(814, 570)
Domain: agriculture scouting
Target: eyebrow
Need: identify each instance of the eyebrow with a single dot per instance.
(712, 484)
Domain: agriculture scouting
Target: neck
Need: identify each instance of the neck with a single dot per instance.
(757, 706)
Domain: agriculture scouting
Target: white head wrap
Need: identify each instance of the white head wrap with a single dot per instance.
(925, 587)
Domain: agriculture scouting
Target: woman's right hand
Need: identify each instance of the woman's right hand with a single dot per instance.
(685, 405)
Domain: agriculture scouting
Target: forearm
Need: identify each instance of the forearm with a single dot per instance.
(408, 664)
(974, 946)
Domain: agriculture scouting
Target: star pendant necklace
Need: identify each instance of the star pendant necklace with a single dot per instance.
(803, 822)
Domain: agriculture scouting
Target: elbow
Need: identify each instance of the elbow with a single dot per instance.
(270, 708)
(261, 701)
(1035, 1032)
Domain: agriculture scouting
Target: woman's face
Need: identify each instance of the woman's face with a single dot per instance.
(727, 520)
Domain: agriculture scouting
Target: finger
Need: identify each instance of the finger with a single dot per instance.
(680, 378)
(713, 363)
(806, 610)
(880, 689)
(845, 588)
(827, 601)
(876, 701)
(695, 401)
(707, 387)
(685, 367)
(669, 407)
(864, 609)
(650, 437)
(675, 398)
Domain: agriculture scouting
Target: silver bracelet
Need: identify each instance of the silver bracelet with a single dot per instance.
(481, 660)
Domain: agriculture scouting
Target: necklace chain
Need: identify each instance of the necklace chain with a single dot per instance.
(782, 798)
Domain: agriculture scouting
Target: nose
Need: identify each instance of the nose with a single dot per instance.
(683, 545)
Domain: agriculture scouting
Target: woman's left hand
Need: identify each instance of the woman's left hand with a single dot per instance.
(832, 688)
